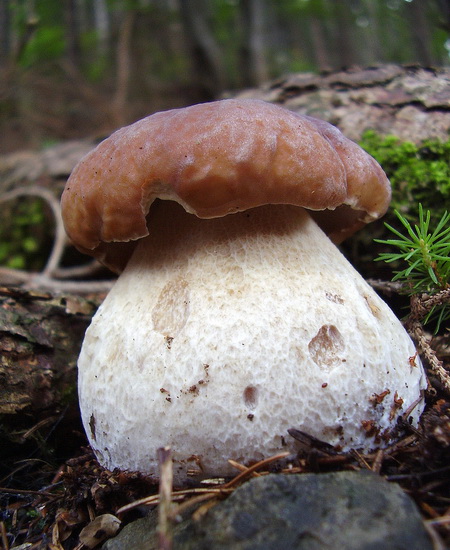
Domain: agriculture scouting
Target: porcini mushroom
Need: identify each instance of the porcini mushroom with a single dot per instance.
(235, 317)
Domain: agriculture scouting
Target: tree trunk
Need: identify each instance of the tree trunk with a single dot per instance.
(373, 34)
(252, 56)
(320, 44)
(206, 57)
(102, 27)
(5, 30)
(345, 53)
(72, 33)
(444, 8)
(124, 62)
(416, 12)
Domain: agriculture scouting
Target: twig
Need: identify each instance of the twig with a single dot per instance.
(60, 233)
(37, 426)
(26, 492)
(165, 498)
(241, 467)
(4, 536)
(193, 501)
(32, 280)
(86, 270)
(401, 444)
(360, 459)
(207, 492)
(421, 305)
(388, 287)
(418, 475)
(249, 471)
(378, 461)
(438, 543)
(47, 279)
(441, 520)
(176, 495)
(436, 366)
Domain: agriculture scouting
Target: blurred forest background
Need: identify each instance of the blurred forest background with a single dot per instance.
(73, 68)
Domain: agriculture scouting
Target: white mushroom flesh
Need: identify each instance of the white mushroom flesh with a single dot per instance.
(222, 334)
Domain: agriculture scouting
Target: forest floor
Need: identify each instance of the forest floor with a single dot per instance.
(57, 499)
(52, 487)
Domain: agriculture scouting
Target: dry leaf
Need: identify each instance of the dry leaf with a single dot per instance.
(100, 529)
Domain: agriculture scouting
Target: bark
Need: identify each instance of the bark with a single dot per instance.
(40, 338)
(409, 102)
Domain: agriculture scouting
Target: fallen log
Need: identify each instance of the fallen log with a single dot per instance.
(40, 338)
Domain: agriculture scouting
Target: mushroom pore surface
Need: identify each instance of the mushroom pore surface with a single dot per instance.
(222, 334)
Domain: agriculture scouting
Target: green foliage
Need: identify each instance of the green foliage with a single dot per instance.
(424, 257)
(43, 22)
(23, 235)
(426, 253)
(418, 173)
(293, 8)
(97, 67)
(47, 44)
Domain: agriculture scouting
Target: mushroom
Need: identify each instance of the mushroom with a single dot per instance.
(235, 317)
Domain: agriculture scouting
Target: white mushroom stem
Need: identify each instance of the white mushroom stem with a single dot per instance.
(222, 334)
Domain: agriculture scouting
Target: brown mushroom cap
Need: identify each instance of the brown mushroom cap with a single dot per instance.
(215, 159)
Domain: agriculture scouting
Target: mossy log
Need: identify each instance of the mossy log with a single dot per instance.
(410, 102)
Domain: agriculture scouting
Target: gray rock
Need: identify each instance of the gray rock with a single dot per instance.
(351, 510)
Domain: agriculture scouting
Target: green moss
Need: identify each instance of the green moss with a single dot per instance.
(418, 173)
(25, 235)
